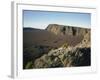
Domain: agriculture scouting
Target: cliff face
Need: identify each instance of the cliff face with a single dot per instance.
(69, 30)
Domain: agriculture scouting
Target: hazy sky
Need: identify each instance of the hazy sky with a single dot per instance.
(41, 19)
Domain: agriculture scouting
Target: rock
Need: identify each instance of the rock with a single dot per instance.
(65, 55)
(69, 30)
(76, 57)
(86, 42)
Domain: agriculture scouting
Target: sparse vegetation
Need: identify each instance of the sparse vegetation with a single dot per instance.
(65, 45)
(56, 46)
(29, 65)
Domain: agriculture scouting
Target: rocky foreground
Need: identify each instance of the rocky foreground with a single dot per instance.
(66, 55)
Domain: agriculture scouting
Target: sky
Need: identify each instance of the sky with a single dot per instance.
(41, 19)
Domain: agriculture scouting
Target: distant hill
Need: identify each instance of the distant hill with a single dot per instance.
(28, 29)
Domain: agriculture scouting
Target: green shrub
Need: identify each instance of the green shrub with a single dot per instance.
(29, 65)
(65, 45)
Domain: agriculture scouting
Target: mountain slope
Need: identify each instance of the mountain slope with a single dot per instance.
(67, 56)
(38, 42)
